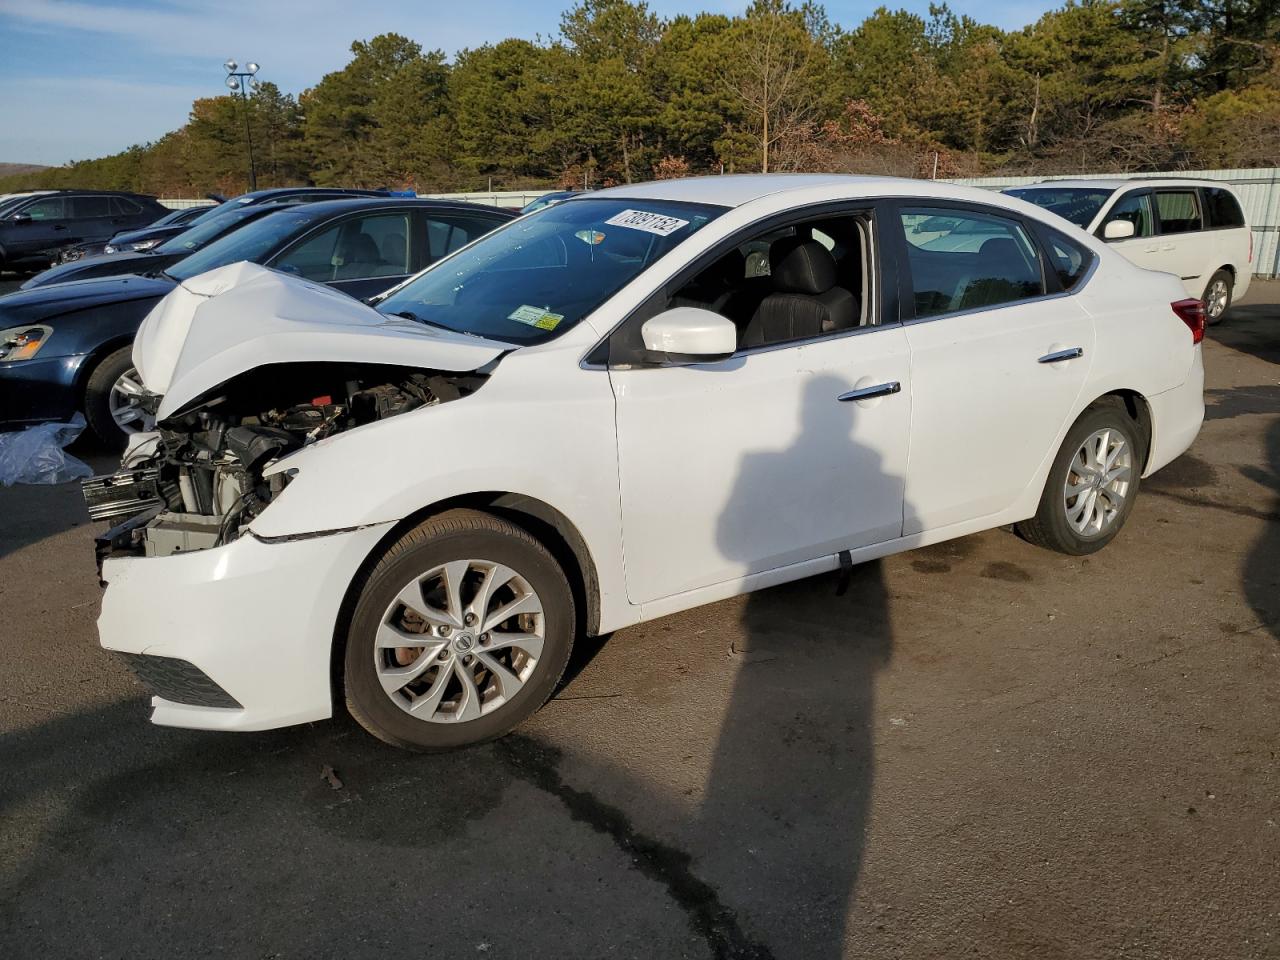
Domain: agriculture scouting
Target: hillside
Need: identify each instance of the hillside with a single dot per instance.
(17, 169)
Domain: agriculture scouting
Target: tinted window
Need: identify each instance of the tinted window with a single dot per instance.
(124, 207)
(253, 242)
(538, 276)
(83, 208)
(965, 260)
(373, 246)
(47, 208)
(1077, 204)
(447, 233)
(1136, 209)
(1179, 211)
(1069, 260)
(205, 229)
(1221, 208)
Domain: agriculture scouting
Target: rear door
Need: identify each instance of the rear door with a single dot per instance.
(92, 217)
(997, 359)
(1184, 245)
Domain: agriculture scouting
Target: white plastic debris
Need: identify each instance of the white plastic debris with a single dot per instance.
(35, 455)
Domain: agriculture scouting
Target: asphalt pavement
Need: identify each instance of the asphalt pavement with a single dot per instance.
(980, 749)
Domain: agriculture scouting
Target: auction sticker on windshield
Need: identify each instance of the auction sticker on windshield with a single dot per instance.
(538, 317)
(657, 223)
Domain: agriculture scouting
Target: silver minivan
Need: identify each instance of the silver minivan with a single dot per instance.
(1192, 228)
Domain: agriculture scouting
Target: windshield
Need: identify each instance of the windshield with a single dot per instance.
(1077, 204)
(540, 275)
(253, 242)
(203, 233)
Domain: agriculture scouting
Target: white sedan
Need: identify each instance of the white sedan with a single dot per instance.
(633, 402)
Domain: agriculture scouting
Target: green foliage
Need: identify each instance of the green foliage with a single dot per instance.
(621, 94)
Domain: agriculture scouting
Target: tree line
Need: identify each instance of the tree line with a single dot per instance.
(621, 94)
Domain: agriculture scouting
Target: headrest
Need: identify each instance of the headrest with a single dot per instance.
(801, 266)
(1001, 249)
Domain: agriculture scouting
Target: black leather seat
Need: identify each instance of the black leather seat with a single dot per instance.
(805, 301)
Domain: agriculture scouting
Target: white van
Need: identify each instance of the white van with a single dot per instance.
(1192, 228)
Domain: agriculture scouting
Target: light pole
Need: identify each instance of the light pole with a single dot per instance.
(244, 83)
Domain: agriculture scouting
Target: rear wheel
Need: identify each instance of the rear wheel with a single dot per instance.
(111, 399)
(1092, 484)
(461, 632)
(1217, 297)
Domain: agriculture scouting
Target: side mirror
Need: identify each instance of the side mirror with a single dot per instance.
(1118, 230)
(690, 335)
(20, 218)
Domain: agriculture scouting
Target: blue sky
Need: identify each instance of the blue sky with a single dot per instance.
(83, 78)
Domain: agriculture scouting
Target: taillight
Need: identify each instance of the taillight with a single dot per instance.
(1191, 312)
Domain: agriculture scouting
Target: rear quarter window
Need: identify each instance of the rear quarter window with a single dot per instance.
(1179, 211)
(1222, 209)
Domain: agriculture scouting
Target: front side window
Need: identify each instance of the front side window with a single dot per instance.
(966, 260)
(1222, 209)
(1136, 209)
(1077, 204)
(47, 208)
(540, 275)
(1179, 211)
(362, 247)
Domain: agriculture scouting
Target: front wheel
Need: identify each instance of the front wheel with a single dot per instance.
(111, 399)
(462, 630)
(1091, 486)
(1217, 297)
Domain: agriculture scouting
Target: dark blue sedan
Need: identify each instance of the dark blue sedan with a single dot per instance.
(68, 346)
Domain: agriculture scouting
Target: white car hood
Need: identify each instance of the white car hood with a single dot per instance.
(219, 324)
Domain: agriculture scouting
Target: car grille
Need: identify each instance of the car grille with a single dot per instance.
(178, 681)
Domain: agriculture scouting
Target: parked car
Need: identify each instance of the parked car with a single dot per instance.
(37, 227)
(195, 237)
(135, 241)
(599, 414)
(1194, 229)
(66, 347)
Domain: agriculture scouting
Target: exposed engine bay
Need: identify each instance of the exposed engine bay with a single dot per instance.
(199, 482)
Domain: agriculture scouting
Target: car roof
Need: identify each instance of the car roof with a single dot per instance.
(348, 204)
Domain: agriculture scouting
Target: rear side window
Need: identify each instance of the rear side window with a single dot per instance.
(1069, 260)
(966, 260)
(1221, 208)
(90, 208)
(124, 207)
(1136, 209)
(1179, 211)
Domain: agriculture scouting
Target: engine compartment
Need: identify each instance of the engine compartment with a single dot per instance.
(200, 481)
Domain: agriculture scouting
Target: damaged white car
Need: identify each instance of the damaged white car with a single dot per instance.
(624, 405)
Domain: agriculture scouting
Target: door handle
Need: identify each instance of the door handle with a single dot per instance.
(59, 226)
(868, 393)
(1058, 356)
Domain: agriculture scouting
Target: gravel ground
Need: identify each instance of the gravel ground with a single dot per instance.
(981, 749)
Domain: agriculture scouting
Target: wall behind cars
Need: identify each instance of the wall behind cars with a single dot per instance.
(1257, 188)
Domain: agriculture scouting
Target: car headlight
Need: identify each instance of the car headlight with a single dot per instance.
(70, 256)
(23, 343)
(110, 248)
(144, 244)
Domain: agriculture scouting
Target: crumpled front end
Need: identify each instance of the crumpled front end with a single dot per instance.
(231, 630)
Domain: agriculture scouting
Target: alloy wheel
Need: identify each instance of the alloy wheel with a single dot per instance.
(1216, 299)
(1098, 480)
(124, 403)
(459, 641)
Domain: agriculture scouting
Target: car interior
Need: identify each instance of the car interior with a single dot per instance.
(792, 283)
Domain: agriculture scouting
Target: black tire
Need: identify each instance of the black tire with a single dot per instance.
(455, 535)
(97, 397)
(1229, 282)
(1050, 527)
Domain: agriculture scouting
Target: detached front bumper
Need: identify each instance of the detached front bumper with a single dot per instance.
(247, 627)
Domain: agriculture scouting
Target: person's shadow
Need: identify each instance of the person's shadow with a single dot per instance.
(789, 792)
(1262, 568)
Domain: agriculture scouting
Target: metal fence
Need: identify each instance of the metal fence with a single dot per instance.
(1258, 190)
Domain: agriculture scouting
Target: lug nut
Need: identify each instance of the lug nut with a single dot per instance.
(444, 654)
(444, 631)
(469, 619)
(467, 660)
(484, 639)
